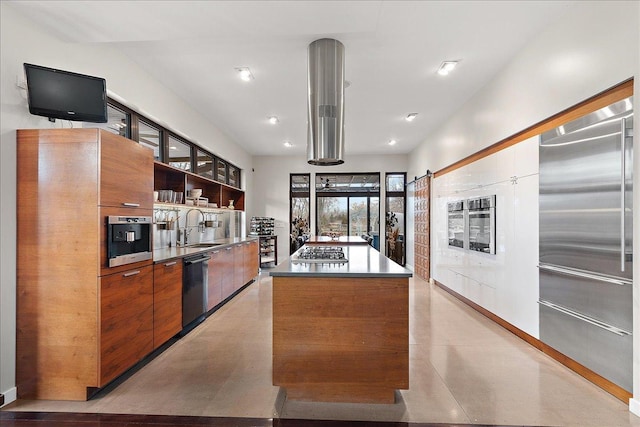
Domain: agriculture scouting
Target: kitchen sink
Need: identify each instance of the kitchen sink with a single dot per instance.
(203, 245)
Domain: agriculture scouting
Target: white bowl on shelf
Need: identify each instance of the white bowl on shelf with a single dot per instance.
(196, 192)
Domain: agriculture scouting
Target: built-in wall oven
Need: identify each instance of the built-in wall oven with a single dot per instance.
(456, 223)
(128, 239)
(482, 224)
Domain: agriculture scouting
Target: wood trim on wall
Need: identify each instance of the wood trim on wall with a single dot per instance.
(601, 100)
(581, 370)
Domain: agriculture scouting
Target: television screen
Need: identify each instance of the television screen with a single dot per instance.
(59, 94)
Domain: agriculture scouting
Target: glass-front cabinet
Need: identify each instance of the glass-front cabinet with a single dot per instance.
(233, 176)
(179, 155)
(204, 164)
(221, 171)
(118, 122)
(151, 137)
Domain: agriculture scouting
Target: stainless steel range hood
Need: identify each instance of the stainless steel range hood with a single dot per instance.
(325, 112)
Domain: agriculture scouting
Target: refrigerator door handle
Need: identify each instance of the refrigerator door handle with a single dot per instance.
(585, 318)
(623, 248)
(584, 274)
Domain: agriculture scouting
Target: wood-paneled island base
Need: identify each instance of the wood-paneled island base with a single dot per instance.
(341, 331)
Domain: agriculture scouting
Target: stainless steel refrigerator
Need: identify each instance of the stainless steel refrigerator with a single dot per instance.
(586, 304)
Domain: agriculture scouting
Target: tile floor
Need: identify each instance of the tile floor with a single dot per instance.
(463, 369)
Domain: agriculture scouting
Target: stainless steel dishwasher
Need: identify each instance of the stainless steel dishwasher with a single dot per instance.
(194, 290)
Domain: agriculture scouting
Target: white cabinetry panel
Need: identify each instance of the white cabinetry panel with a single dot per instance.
(505, 283)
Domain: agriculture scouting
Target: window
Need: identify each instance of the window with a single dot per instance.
(179, 155)
(347, 204)
(395, 216)
(300, 208)
(150, 136)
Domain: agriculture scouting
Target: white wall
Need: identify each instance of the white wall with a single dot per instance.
(594, 47)
(270, 196)
(22, 41)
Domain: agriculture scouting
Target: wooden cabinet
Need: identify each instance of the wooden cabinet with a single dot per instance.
(238, 269)
(66, 312)
(125, 178)
(126, 321)
(167, 301)
(216, 272)
(251, 263)
(227, 267)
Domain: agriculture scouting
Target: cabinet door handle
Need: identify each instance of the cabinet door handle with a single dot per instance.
(131, 273)
(623, 189)
(585, 318)
(169, 264)
(227, 249)
(584, 274)
(131, 205)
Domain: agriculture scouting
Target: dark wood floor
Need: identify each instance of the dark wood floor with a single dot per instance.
(64, 419)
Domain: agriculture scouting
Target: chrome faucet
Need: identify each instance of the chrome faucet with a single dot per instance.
(188, 230)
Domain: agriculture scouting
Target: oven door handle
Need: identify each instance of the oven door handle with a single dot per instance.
(480, 212)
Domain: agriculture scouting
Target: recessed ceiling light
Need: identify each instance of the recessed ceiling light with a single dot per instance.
(173, 147)
(245, 73)
(410, 117)
(273, 120)
(446, 67)
(288, 144)
(392, 142)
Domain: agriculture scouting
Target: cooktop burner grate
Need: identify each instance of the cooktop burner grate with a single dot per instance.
(320, 254)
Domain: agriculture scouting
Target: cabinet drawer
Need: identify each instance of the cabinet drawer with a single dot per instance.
(167, 301)
(126, 320)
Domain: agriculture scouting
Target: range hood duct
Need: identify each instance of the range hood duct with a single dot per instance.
(325, 112)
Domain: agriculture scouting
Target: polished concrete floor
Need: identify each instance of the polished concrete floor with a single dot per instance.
(464, 369)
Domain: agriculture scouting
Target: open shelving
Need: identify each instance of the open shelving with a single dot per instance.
(169, 178)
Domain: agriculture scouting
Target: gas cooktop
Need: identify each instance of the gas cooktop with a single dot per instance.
(320, 254)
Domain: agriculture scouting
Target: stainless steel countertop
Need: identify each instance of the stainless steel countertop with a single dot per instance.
(364, 261)
(165, 254)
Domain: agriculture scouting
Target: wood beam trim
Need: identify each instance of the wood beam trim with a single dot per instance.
(609, 96)
(581, 370)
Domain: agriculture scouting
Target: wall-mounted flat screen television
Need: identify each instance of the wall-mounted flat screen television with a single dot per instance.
(59, 94)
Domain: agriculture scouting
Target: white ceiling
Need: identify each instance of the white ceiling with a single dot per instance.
(392, 52)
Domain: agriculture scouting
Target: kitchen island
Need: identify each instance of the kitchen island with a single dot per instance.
(341, 329)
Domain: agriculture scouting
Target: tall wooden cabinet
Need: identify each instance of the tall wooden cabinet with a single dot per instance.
(76, 317)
